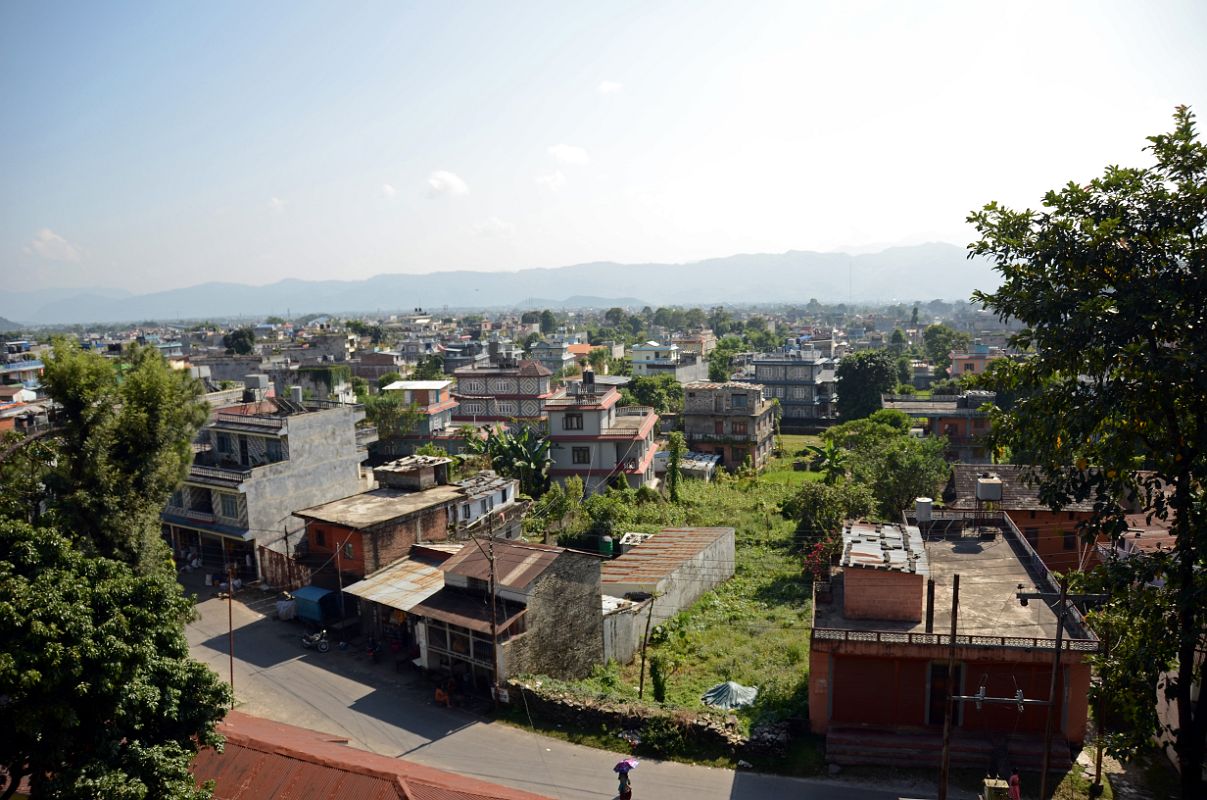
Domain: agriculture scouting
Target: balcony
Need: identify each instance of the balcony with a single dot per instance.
(248, 422)
(366, 436)
(634, 411)
(720, 437)
(222, 476)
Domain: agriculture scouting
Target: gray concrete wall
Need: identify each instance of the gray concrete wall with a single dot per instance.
(323, 466)
(564, 636)
(623, 631)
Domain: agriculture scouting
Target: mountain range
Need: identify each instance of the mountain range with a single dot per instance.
(919, 272)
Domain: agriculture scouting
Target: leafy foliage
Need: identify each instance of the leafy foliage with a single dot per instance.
(100, 696)
(831, 460)
(820, 509)
(862, 378)
(240, 341)
(1108, 280)
(674, 474)
(430, 368)
(523, 455)
(661, 392)
(391, 414)
(939, 342)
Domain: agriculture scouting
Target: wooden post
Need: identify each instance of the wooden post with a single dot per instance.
(951, 689)
(1060, 629)
(644, 640)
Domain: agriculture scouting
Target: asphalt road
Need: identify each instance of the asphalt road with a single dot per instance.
(377, 709)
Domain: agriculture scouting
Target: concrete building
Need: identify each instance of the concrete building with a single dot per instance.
(548, 616)
(591, 437)
(254, 465)
(959, 419)
(651, 359)
(804, 383)
(502, 394)
(699, 344)
(878, 680)
(732, 420)
(975, 360)
(672, 569)
(553, 355)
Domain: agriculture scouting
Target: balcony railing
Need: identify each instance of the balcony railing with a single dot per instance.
(226, 474)
(720, 437)
(902, 637)
(249, 421)
(634, 411)
(366, 435)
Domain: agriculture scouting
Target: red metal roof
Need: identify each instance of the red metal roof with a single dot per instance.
(264, 759)
(517, 564)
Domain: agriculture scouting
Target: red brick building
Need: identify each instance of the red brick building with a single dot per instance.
(878, 679)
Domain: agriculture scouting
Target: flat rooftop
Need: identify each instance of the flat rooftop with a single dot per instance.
(379, 506)
(990, 573)
(892, 547)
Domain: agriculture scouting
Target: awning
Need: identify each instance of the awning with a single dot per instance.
(225, 531)
(467, 611)
(401, 585)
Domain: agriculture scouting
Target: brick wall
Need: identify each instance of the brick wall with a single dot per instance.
(388, 543)
(883, 594)
(1055, 536)
(564, 636)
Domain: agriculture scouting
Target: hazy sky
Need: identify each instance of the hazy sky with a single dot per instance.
(161, 144)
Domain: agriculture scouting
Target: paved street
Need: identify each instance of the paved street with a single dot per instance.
(343, 693)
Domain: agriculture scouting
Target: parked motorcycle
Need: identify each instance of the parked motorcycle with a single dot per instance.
(316, 641)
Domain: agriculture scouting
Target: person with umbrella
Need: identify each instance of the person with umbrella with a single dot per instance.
(625, 792)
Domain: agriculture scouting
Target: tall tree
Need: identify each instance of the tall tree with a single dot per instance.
(548, 321)
(431, 368)
(1110, 281)
(614, 316)
(674, 472)
(862, 378)
(124, 447)
(939, 341)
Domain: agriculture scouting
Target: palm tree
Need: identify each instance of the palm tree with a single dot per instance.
(522, 455)
(831, 461)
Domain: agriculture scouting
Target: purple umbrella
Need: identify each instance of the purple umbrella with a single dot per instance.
(625, 765)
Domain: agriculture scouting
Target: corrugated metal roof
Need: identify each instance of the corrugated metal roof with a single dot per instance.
(662, 554)
(517, 564)
(264, 759)
(379, 506)
(401, 585)
(468, 611)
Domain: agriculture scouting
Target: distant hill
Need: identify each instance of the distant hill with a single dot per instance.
(8, 325)
(921, 272)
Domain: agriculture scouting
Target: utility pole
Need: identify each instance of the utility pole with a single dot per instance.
(1060, 629)
(230, 616)
(947, 714)
(494, 607)
(1096, 788)
(649, 617)
(288, 558)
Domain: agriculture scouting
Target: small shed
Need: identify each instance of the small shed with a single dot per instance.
(316, 605)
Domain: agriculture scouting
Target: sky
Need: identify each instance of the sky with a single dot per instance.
(149, 146)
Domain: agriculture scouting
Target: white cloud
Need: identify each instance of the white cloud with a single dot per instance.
(569, 154)
(49, 245)
(610, 87)
(494, 228)
(553, 181)
(388, 191)
(276, 205)
(448, 184)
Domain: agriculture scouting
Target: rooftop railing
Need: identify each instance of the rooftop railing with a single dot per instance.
(1068, 644)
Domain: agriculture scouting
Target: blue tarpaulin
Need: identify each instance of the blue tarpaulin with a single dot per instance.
(310, 601)
(730, 695)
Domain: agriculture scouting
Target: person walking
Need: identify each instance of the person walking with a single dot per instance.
(625, 792)
(1015, 790)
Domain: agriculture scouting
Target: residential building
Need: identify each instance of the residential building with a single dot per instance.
(804, 383)
(593, 438)
(254, 464)
(512, 391)
(881, 640)
(22, 368)
(554, 355)
(975, 360)
(672, 568)
(733, 420)
(263, 759)
(700, 343)
(698, 466)
(547, 615)
(463, 355)
(958, 418)
(651, 359)
(434, 402)
(372, 366)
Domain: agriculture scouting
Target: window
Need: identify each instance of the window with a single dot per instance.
(224, 443)
(572, 422)
(465, 512)
(230, 506)
(272, 449)
(505, 491)
(485, 507)
(969, 367)
(738, 400)
(718, 426)
(320, 537)
(739, 428)
(581, 455)
(347, 549)
(506, 408)
(1070, 541)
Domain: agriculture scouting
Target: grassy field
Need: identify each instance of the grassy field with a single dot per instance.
(780, 470)
(754, 628)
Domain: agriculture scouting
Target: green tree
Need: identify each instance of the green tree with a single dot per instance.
(100, 696)
(862, 378)
(123, 446)
(614, 316)
(241, 341)
(387, 379)
(529, 317)
(913, 318)
(674, 473)
(392, 415)
(523, 455)
(430, 368)
(661, 392)
(819, 509)
(275, 320)
(1108, 281)
(901, 470)
(831, 460)
(598, 358)
(896, 342)
(548, 322)
(939, 341)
